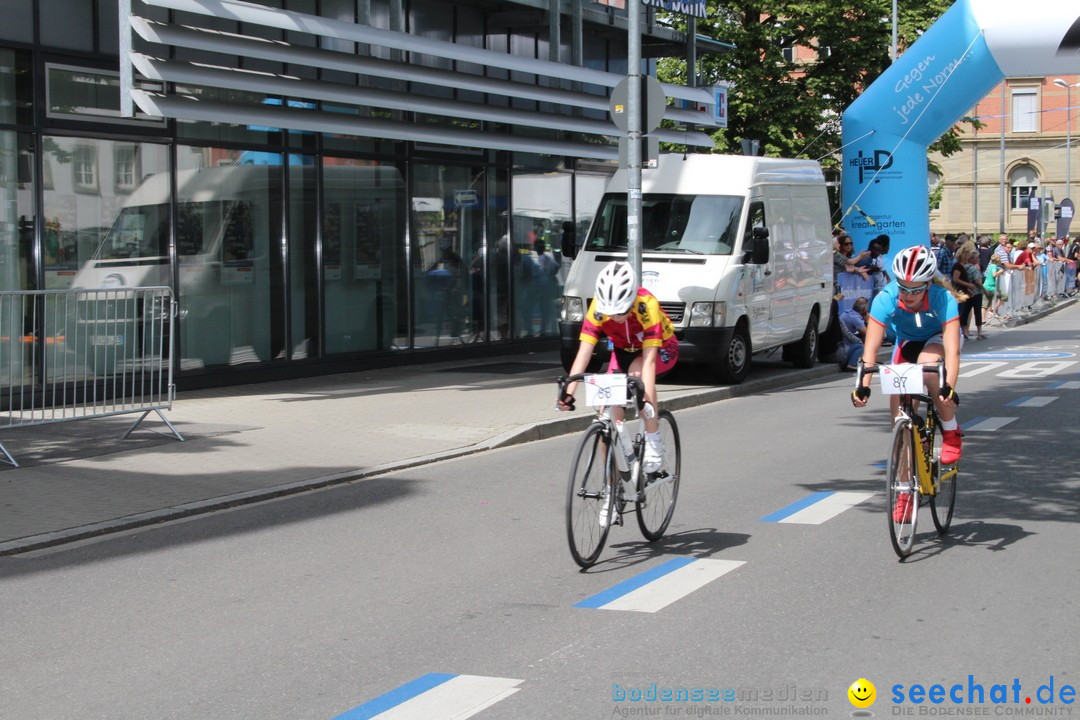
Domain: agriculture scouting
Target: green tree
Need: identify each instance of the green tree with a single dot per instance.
(792, 106)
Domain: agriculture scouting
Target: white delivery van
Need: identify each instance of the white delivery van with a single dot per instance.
(737, 250)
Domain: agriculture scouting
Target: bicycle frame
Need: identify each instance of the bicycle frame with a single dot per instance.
(922, 430)
(606, 415)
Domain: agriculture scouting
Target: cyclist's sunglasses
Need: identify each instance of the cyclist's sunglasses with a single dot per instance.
(913, 290)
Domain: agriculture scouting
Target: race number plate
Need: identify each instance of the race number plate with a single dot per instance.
(902, 379)
(606, 390)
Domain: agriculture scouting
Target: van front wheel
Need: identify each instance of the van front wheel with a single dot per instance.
(733, 365)
(803, 353)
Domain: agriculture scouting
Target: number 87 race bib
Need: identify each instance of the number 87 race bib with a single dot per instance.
(901, 379)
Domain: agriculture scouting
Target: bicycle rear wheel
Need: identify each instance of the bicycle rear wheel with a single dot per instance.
(658, 491)
(941, 504)
(592, 477)
(901, 480)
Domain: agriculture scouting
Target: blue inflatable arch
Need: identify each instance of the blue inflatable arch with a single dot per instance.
(974, 46)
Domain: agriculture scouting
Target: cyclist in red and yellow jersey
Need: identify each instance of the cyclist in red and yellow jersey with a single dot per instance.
(642, 338)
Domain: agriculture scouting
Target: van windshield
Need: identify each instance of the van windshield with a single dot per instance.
(140, 231)
(696, 224)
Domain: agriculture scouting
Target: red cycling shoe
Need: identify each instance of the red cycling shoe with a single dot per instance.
(951, 449)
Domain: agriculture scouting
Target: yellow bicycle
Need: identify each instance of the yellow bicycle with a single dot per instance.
(914, 469)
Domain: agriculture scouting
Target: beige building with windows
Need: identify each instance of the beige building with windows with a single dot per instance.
(1022, 151)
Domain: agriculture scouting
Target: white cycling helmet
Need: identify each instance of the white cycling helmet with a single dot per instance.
(616, 288)
(914, 264)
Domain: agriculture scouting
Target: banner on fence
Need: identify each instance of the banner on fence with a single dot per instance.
(852, 286)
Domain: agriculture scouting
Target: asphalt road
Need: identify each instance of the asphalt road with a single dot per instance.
(316, 606)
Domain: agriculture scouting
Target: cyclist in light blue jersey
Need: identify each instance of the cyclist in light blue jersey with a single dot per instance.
(924, 318)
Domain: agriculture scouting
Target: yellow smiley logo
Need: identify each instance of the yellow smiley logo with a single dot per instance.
(862, 693)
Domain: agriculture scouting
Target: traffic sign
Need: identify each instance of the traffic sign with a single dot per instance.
(653, 102)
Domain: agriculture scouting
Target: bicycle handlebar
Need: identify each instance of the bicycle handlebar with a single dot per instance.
(633, 384)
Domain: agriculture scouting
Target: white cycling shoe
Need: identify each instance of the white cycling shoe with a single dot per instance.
(654, 455)
(606, 513)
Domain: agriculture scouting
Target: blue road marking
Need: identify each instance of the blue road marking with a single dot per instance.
(796, 507)
(973, 422)
(396, 696)
(1018, 401)
(627, 586)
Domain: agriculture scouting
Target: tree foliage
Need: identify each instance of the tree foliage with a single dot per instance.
(792, 106)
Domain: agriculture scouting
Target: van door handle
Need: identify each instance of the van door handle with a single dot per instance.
(768, 272)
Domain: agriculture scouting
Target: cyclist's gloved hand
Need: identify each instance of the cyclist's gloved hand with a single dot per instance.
(566, 402)
(947, 393)
(859, 396)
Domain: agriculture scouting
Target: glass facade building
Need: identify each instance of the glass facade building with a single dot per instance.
(315, 246)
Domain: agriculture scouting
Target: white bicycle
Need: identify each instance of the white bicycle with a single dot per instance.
(606, 475)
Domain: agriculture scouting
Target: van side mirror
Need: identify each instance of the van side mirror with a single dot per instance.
(760, 253)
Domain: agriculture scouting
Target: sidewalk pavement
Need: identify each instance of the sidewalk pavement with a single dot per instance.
(248, 443)
(254, 442)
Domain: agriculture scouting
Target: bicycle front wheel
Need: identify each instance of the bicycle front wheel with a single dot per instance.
(901, 489)
(657, 492)
(941, 504)
(591, 480)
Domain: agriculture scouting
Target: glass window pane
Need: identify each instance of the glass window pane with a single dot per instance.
(363, 244)
(98, 233)
(67, 24)
(87, 94)
(225, 132)
(17, 215)
(303, 264)
(16, 87)
(448, 252)
(541, 205)
(1025, 110)
(109, 26)
(18, 22)
(17, 220)
(228, 225)
(95, 235)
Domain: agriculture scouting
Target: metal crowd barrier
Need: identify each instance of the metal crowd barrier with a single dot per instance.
(76, 354)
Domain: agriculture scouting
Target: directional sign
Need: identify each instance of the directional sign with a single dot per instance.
(466, 199)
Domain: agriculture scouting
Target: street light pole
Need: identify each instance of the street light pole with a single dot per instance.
(892, 47)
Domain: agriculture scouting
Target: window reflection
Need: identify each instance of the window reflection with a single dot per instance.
(227, 214)
(448, 255)
(542, 203)
(363, 234)
(104, 234)
(694, 224)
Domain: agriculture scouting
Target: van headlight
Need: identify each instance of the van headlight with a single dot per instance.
(707, 314)
(572, 309)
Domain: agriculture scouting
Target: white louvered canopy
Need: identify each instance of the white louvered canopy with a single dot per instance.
(561, 109)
